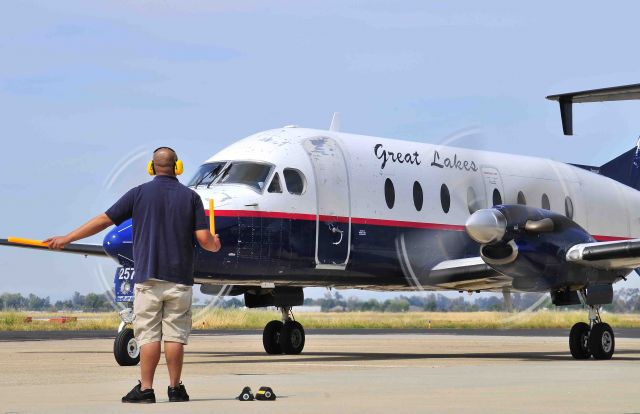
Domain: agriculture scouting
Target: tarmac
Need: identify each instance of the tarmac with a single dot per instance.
(339, 371)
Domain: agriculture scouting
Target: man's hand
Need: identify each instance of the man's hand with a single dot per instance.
(57, 242)
(208, 241)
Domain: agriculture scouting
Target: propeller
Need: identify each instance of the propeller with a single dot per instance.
(419, 251)
(128, 172)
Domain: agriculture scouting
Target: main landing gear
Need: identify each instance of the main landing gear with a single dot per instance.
(593, 339)
(283, 337)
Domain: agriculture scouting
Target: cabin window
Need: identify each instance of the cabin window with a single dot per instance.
(497, 198)
(252, 174)
(294, 180)
(568, 207)
(445, 198)
(389, 193)
(545, 202)
(275, 186)
(418, 198)
(206, 174)
(522, 200)
(473, 203)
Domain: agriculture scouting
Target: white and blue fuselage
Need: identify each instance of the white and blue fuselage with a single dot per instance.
(299, 207)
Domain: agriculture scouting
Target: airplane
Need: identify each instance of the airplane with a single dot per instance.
(299, 207)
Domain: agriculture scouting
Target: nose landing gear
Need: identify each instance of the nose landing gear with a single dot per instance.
(125, 347)
(283, 337)
(594, 339)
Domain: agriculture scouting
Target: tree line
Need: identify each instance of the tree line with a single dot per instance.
(626, 300)
(91, 302)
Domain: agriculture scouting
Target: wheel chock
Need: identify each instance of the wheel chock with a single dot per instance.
(246, 394)
(265, 394)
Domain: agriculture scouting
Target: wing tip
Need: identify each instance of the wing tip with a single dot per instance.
(24, 241)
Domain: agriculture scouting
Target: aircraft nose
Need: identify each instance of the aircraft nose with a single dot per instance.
(486, 226)
(117, 242)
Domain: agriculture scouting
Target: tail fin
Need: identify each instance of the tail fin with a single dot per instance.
(624, 168)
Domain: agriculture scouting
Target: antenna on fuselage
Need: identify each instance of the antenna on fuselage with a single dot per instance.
(566, 100)
(335, 122)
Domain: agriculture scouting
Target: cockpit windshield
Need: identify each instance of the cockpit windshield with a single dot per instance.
(206, 174)
(252, 174)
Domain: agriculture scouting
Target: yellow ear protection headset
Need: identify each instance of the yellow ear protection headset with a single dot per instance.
(178, 167)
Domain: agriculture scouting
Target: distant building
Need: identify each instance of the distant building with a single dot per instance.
(305, 308)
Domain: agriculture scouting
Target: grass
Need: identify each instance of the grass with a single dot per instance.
(15, 321)
(256, 319)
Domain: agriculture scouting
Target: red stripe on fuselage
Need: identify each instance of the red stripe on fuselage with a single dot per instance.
(354, 220)
(610, 238)
(361, 220)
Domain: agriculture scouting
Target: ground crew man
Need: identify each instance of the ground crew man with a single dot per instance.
(167, 219)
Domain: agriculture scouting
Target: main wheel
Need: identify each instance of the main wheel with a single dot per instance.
(125, 348)
(271, 337)
(292, 338)
(601, 341)
(579, 341)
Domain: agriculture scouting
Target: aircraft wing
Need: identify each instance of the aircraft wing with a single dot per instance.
(623, 254)
(77, 248)
(467, 274)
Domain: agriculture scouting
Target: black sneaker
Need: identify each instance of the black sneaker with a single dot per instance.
(178, 394)
(136, 395)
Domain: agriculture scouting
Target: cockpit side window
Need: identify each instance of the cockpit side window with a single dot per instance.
(206, 174)
(252, 174)
(275, 186)
(295, 180)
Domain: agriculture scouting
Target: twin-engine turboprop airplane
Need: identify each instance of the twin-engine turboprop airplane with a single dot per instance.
(299, 207)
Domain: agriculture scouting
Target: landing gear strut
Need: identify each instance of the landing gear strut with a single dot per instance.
(283, 337)
(594, 339)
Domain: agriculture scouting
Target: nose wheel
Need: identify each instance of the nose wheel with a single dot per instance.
(125, 348)
(593, 339)
(283, 337)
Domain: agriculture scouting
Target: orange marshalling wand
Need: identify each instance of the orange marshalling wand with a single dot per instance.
(212, 219)
(30, 242)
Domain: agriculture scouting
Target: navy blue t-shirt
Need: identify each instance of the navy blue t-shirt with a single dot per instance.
(165, 214)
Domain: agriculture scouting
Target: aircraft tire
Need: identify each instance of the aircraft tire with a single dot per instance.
(271, 337)
(602, 341)
(125, 348)
(578, 341)
(292, 338)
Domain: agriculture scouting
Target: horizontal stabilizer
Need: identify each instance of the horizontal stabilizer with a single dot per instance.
(566, 100)
(77, 248)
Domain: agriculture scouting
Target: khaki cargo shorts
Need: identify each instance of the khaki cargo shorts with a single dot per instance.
(163, 312)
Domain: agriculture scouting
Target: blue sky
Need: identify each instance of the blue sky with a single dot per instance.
(86, 87)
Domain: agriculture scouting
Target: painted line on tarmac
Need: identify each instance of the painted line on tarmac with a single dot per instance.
(12, 336)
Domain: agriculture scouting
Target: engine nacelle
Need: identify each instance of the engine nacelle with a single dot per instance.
(529, 244)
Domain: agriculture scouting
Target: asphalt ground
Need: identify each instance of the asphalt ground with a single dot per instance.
(340, 371)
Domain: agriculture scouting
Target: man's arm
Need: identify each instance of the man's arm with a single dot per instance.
(91, 227)
(208, 241)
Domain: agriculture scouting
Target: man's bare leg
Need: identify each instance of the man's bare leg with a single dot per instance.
(174, 354)
(149, 358)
